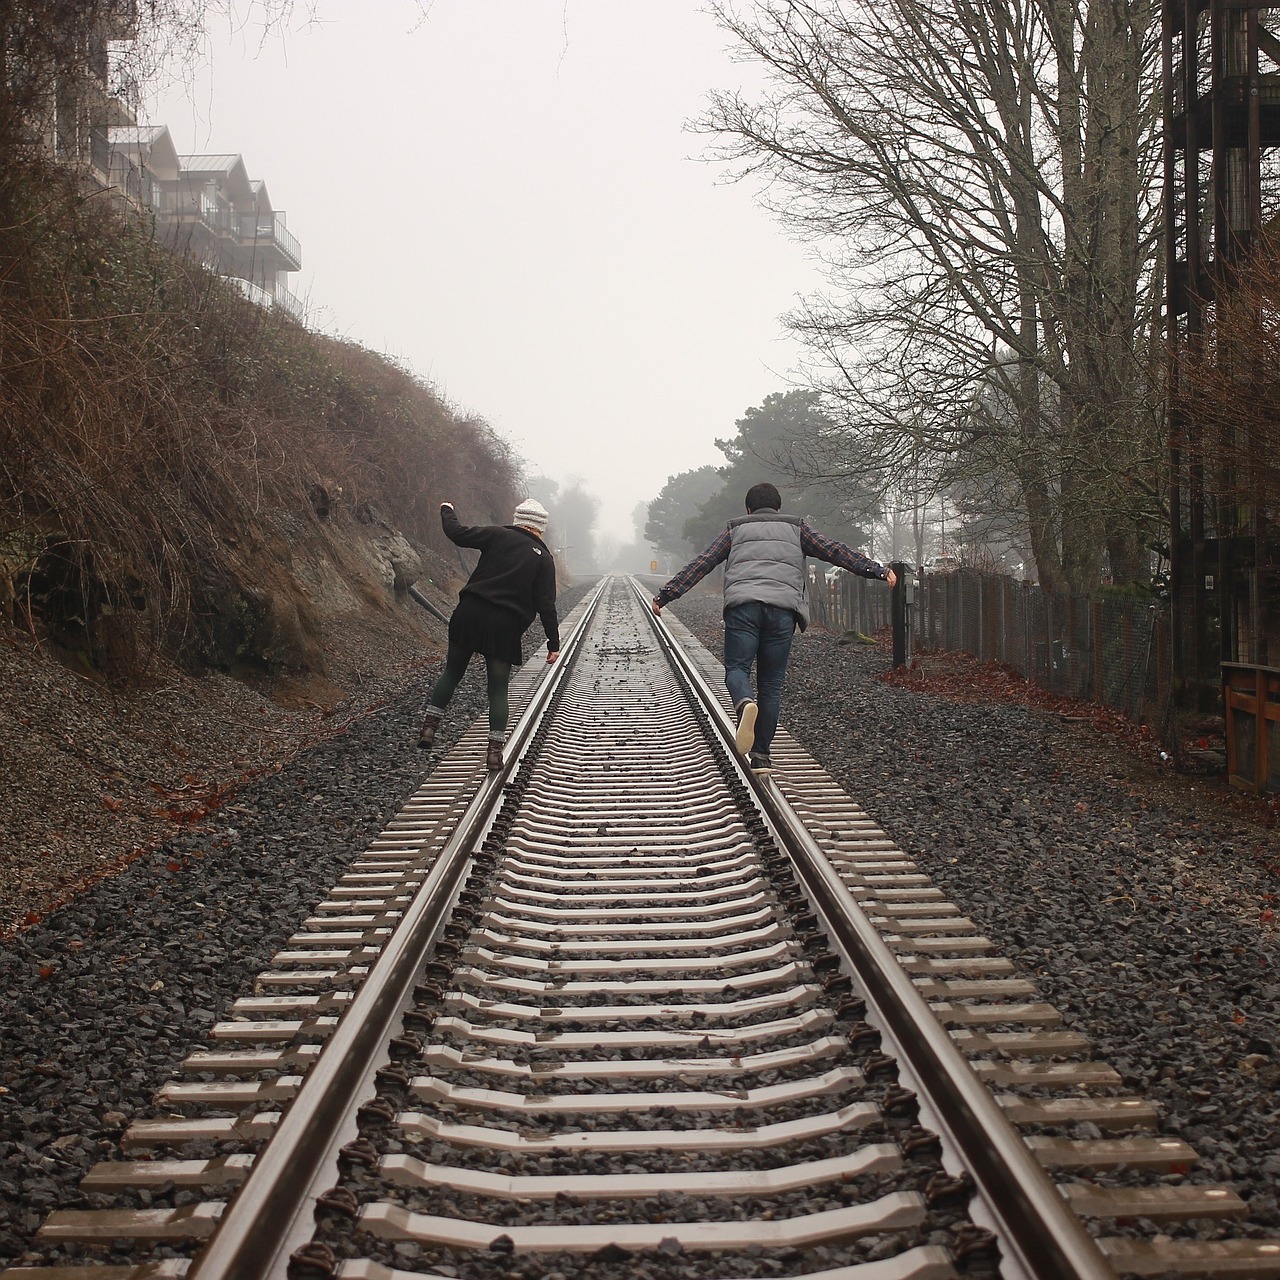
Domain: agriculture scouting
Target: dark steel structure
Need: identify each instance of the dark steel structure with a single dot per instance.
(1222, 190)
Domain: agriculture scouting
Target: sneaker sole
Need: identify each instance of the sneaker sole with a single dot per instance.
(746, 738)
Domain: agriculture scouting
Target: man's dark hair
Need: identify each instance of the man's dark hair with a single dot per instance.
(763, 495)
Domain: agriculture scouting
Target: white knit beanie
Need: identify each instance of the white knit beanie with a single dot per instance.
(532, 514)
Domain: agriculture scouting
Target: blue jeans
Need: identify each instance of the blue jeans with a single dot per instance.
(759, 633)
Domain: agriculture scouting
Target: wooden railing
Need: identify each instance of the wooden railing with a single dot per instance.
(1251, 699)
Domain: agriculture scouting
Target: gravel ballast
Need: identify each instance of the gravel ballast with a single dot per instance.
(104, 997)
(1138, 912)
(1138, 901)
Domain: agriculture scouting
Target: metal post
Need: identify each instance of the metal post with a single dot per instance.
(898, 607)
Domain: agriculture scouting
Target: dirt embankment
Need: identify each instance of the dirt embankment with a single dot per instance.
(94, 771)
(213, 523)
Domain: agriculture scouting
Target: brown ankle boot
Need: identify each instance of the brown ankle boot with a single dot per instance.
(494, 758)
(426, 739)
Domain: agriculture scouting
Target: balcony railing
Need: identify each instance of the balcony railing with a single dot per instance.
(288, 243)
(269, 229)
(100, 156)
(133, 181)
(216, 215)
(290, 302)
(200, 208)
(254, 292)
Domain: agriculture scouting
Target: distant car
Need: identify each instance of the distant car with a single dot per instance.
(834, 575)
(942, 564)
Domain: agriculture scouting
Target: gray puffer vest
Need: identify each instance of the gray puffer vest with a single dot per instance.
(766, 563)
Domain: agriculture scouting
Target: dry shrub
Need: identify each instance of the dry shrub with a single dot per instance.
(1229, 392)
(68, 63)
(154, 422)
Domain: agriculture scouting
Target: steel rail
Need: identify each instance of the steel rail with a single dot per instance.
(261, 1226)
(1036, 1229)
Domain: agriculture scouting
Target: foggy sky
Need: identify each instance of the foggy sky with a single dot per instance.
(502, 196)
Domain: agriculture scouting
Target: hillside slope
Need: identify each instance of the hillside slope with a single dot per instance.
(210, 519)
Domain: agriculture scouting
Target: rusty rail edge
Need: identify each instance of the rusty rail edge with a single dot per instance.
(265, 1221)
(1036, 1229)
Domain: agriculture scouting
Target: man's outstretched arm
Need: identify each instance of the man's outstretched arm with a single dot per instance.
(820, 547)
(693, 572)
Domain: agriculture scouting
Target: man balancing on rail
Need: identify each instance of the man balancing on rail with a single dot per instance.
(766, 593)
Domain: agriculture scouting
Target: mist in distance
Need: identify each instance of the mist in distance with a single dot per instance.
(505, 199)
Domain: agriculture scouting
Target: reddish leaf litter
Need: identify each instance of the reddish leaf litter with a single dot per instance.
(98, 776)
(961, 677)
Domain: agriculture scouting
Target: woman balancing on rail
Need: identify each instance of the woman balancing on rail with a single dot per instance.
(515, 579)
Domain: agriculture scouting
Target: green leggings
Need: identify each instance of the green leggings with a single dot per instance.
(499, 677)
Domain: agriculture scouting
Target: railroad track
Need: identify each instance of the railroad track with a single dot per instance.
(626, 1010)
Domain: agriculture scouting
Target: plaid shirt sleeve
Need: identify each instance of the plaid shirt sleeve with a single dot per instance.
(814, 544)
(695, 570)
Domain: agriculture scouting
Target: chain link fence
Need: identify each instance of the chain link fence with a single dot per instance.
(847, 602)
(1113, 650)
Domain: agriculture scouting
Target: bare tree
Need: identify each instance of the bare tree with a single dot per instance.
(573, 526)
(677, 502)
(981, 176)
(1230, 385)
(70, 69)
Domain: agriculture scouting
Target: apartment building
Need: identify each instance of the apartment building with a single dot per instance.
(59, 78)
(75, 94)
(207, 207)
